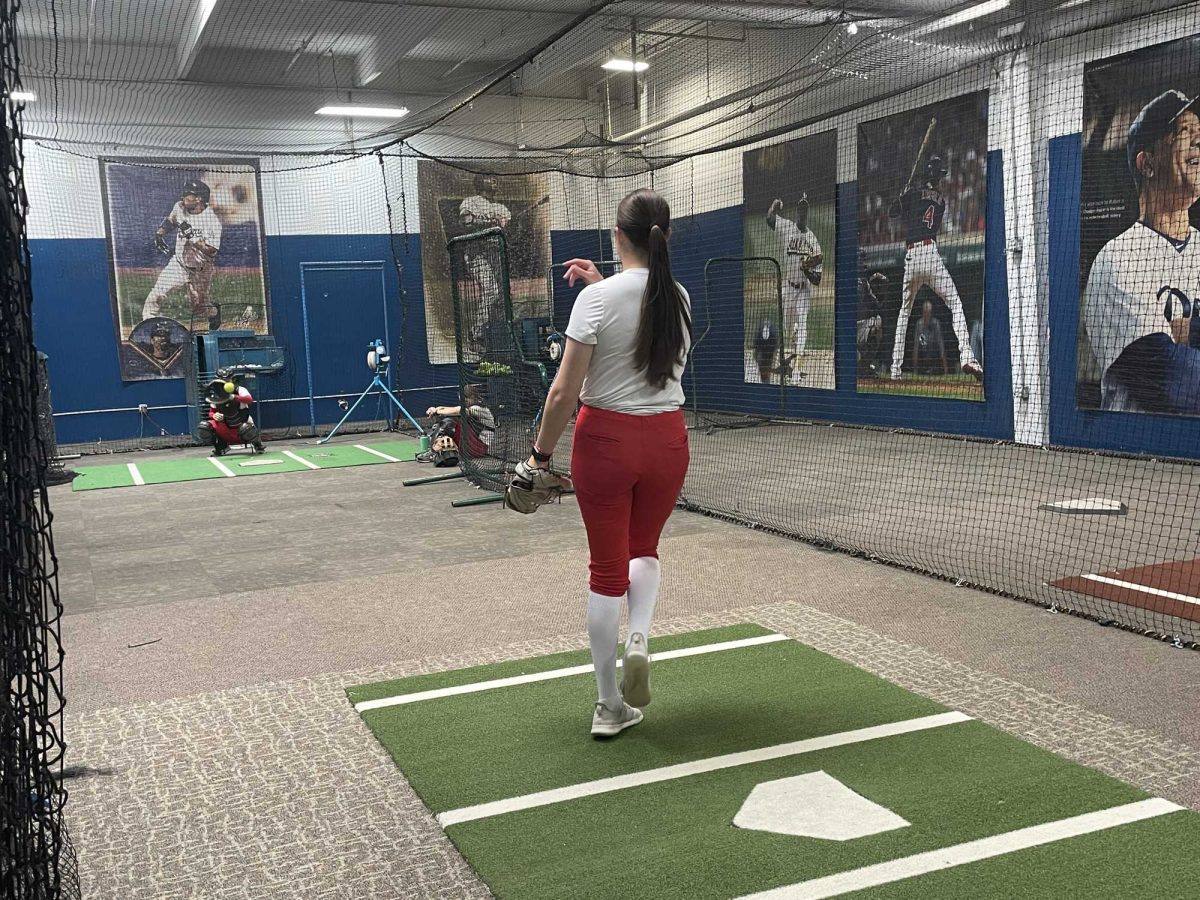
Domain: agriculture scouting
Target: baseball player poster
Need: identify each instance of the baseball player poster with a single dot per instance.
(1139, 341)
(455, 202)
(186, 251)
(922, 183)
(789, 214)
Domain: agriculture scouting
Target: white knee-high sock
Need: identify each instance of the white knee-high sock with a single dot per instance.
(644, 576)
(604, 630)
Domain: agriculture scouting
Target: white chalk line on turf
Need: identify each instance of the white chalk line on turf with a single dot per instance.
(1143, 588)
(552, 674)
(696, 767)
(378, 453)
(135, 474)
(969, 852)
(225, 470)
(300, 459)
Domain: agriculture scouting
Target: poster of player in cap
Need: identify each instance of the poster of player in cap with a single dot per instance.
(922, 205)
(1139, 342)
(456, 202)
(789, 214)
(185, 244)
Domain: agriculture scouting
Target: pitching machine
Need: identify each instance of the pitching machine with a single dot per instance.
(377, 361)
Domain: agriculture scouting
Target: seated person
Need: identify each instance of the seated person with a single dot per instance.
(227, 420)
(480, 428)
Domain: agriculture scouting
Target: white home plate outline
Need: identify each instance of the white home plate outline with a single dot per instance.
(969, 852)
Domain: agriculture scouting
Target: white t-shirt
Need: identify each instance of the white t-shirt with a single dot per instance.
(798, 245)
(205, 226)
(1121, 302)
(606, 315)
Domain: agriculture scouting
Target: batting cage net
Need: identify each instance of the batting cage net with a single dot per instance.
(940, 254)
(36, 858)
(507, 353)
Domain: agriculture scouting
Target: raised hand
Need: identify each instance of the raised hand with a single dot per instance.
(581, 270)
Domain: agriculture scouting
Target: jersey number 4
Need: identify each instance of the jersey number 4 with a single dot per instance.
(928, 217)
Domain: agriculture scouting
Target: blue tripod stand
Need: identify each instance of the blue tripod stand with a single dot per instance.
(377, 360)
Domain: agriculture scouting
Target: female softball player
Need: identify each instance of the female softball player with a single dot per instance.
(627, 343)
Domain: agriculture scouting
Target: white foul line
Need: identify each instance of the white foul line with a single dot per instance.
(225, 470)
(1171, 595)
(552, 674)
(300, 459)
(135, 474)
(696, 767)
(971, 851)
(378, 453)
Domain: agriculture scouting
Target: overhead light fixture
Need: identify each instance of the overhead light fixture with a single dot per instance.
(1071, 3)
(852, 28)
(626, 65)
(23, 96)
(978, 11)
(372, 77)
(364, 112)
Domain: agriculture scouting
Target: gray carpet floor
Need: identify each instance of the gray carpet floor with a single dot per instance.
(211, 628)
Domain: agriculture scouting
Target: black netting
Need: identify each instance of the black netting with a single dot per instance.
(36, 858)
(939, 254)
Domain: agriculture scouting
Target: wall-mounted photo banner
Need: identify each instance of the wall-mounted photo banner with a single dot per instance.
(922, 202)
(453, 203)
(790, 216)
(185, 244)
(1139, 339)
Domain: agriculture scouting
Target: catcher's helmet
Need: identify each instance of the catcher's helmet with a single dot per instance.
(935, 169)
(198, 188)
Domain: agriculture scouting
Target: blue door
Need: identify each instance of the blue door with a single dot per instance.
(344, 308)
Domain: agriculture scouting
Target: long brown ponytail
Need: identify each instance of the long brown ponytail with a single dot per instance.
(645, 218)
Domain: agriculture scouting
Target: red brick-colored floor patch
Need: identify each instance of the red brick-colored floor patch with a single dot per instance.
(1170, 589)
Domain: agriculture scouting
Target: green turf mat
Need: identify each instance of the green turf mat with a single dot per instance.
(952, 784)
(675, 839)
(165, 471)
(195, 468)
(485, 746)
(416, 683)
(1155, 859)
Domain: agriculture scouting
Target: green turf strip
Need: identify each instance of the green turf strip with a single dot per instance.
(196, 468)
(953, 784)
(474, 748)
(675, 839)
(165, 471)
(417, 683)
(1156, 859)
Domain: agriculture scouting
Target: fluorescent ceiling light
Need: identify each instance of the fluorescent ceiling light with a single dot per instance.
(977, 11)
(625, 65)
(372, 76)
(23, 96)
(364, 112)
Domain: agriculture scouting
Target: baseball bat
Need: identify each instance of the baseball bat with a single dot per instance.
(924, 148)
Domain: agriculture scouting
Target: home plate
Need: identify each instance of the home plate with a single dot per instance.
(262, 462)
(814, 805)
(1096, 506)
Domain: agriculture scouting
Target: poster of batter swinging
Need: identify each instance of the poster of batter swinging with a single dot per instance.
(1139, 339)
(455, 202)
(789, 215)
(922, 181)
(185, 244)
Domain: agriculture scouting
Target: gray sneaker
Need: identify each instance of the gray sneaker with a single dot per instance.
(635, 687)
(608, 722)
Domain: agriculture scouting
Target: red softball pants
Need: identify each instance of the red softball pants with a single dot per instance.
(627, 472)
